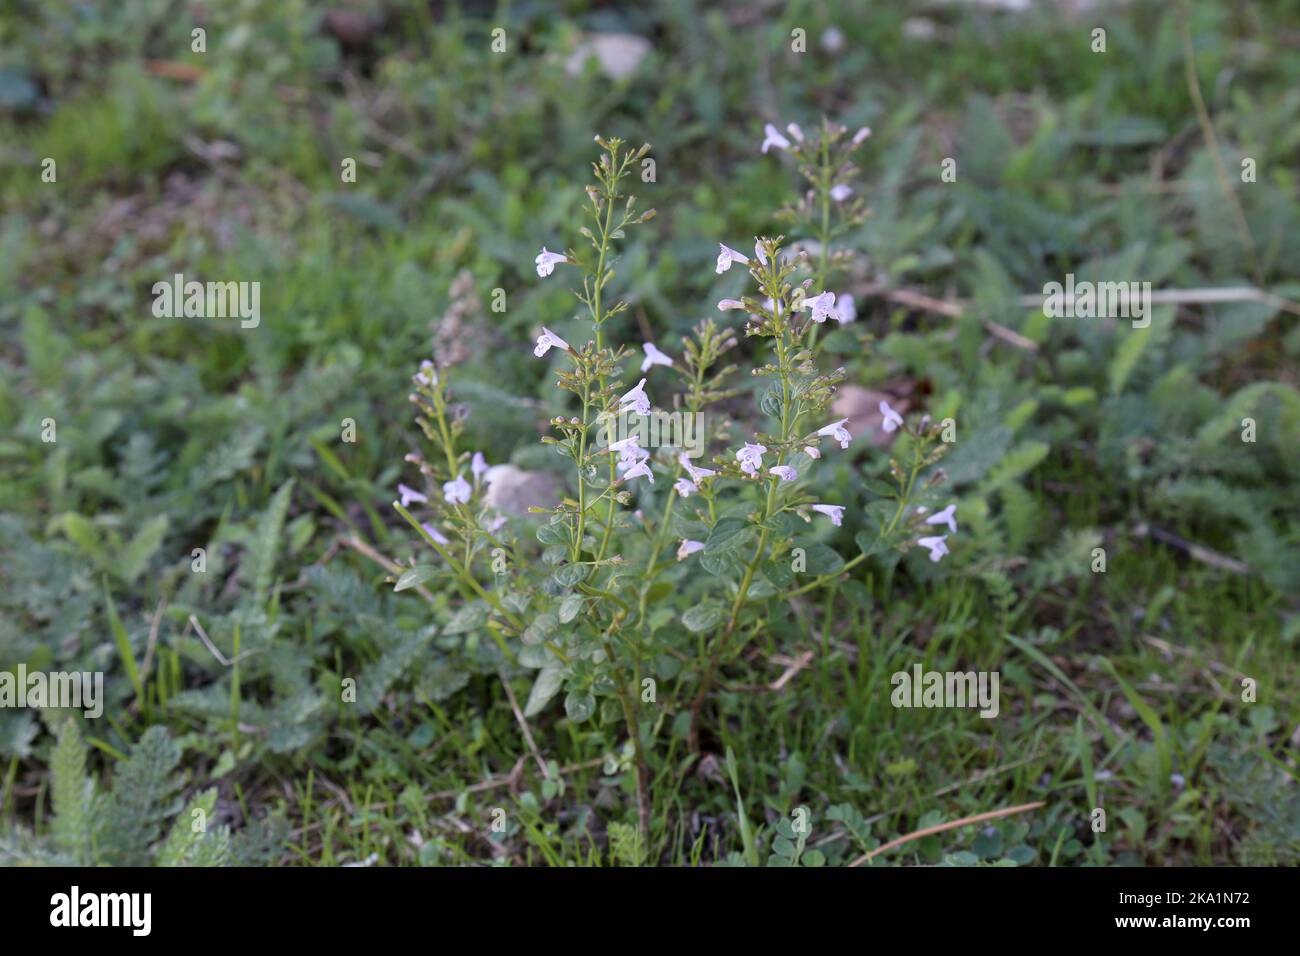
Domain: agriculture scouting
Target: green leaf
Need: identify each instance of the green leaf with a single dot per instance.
(539, 629)
(778, 572)
(868, 542)
(262, 553)
(570, 607)
(821, 559)
(131, 563)
(547, 685)
(579, 706)
(1127, 356)
(82, 532)
(415, 576)
(468, 618)
(702, 617)
(123, 642)
(72, 794)
(569, 575)
(724, 564)
(726, 535)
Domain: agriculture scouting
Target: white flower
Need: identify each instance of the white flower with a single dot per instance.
(478, 465)
(837, 431)
(946, 516)
(727, 256)
(725, 304)
(841, 192)
(794, 130)
(697, 474)
(640, 470)
(434, 533)
(654, 357)
(812, 451)
(631, 441)
(893, 420)
(845, 310)
(630, 453)
(688, 548)
(772, 137)
(860, 135)
(428, 375)
(409, 495)
(936, 545)
(546, 262)
(784, 472)
(751, 458)
(758, 251)
(834, 512)
(823, 306)
(636, 397)
(685, 487)
(547, 341)
(456, 491)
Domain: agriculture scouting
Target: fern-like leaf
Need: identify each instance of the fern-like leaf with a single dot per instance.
(144, 797)
(73, 795)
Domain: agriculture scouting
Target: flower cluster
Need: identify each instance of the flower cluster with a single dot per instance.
(587, 621)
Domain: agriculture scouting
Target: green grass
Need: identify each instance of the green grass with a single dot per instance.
(180, 434)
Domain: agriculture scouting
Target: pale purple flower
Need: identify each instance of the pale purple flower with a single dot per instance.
(841, 192)
(428, 375)
(823, 306)
(478, 465)
(697, 474)
(727, 256)
(946, 516)
(845, 310)
(456, 491)
(630, 453)
(547, 341)
(861, 135)
(837, 431)
(794, 130)
(495, 524)
(893, 420)
(784, 472)
(653, 356)
(751, 458)
(725, 304)
(409, 495)
(640, 470)
(834, 512)
(434, 533)
(636, 397)
(758, 251)
(812, 451)
(688, 548)
(936, 545)
(546, 262)
(685, 487)
(772, 137)
(621, 446)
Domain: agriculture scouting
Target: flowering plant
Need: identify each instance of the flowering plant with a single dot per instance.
(728, 526)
